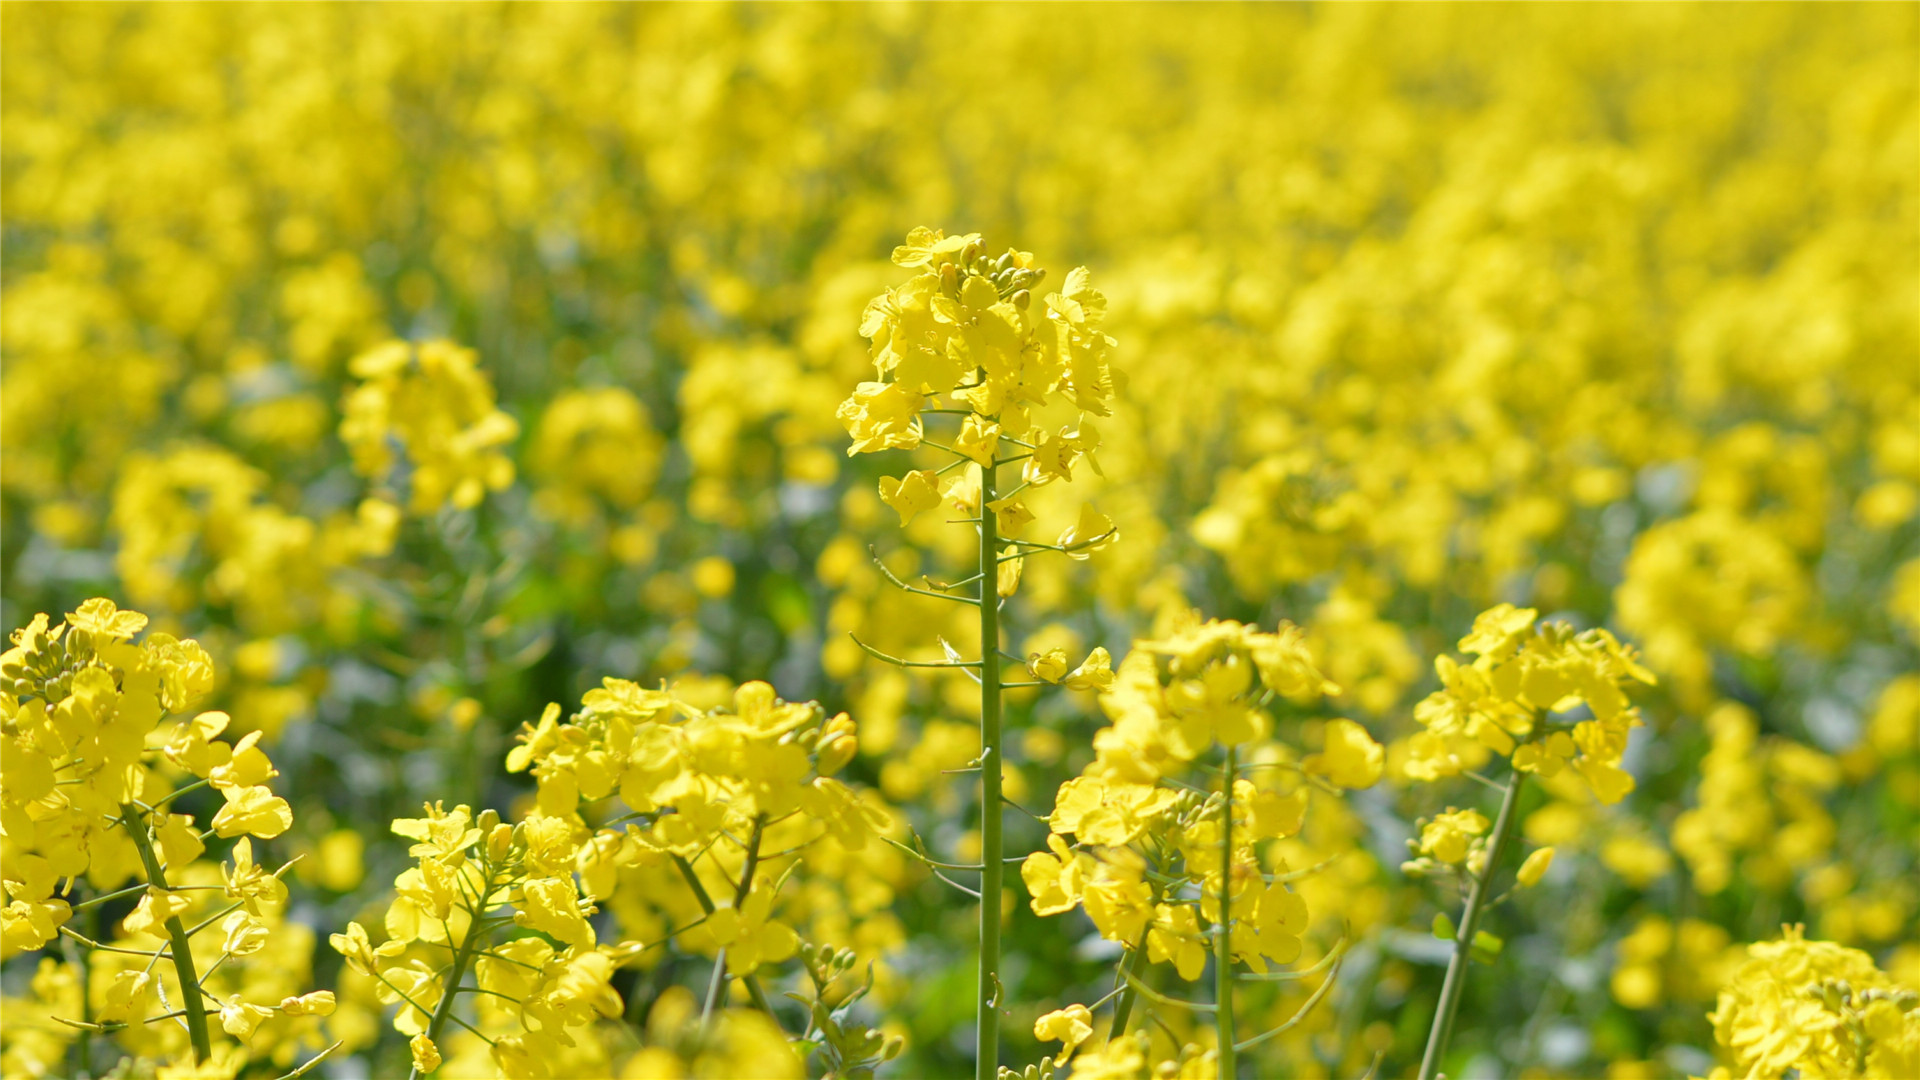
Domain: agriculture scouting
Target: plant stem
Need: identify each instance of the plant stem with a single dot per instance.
(82, 962)
(987, 1031)
(461, 958)
(754, 991)
(1129, 971)
(1223, 933)
(719, 979)
(196, 1008)
(1452, 990)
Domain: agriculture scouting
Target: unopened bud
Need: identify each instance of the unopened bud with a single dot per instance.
(499, 842)
(487, 820)
(1022, 299)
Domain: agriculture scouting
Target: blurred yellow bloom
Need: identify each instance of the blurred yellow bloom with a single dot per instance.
(1535, 867)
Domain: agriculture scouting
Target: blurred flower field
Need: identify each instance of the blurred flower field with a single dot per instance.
(578, 540)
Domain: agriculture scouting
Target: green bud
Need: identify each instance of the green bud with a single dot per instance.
(1443, 927)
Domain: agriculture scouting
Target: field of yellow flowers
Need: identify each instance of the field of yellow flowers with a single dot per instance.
(581, 541)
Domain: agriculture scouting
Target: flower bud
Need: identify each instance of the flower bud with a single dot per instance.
(499, 842)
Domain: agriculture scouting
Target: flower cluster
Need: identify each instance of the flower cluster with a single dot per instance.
(966, 329)
(1813, 1008)
(1171, 871)
(1504, 700)
(422, 419)
(1421, 309)
(94, 783)
(475, 878)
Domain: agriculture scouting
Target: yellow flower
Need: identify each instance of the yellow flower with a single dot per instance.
(246, 765)
(1546, 756)
(126, 993)
(1049, 666)
(750, 935)
(317, 1003)
(155, 908)
(1351, 758)
(1056, 881)
(432, 403)
(977, 439)
(1446, 837)
(240, 1019)
(426, 1056)
(910, 494)
(1095, 673)
(1069, 1026)
(1535, 867)
(1010, 515)
(1089, 534)
(101, 617)
(255, 811)
(882, 416)
(1497, 631)
(245, 934)
(553, 907)
(179, 844)
(1175, 935)
(1007, 578)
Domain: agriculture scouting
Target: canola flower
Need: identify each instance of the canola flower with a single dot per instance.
(92, 779)
(1813, 1008)
(1423, 309)
(503, 912)
(1511, 701)
(967, 329)
(1175, 873)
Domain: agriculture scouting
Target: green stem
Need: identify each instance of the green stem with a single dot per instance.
(191, 1001)
(81, 961)
(754, 991)
(1129, 973)
(1223, 933)
(719, 979)
(461, 958)
(987, 1031)
(1452, 990)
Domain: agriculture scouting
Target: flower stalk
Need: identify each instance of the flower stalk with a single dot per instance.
(462, 957)
(1455, 985)
(193, 1005)
(1223, 929)
(987, 1029)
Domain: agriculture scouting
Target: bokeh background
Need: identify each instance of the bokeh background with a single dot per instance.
(1611, 311)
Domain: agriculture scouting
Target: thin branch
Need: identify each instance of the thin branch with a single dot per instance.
(930, 861)
(897, 662)
(1305, 1008)
(895, 581)
(975, 893)
(310, 1063)
(1159, 998)
(1339, 948)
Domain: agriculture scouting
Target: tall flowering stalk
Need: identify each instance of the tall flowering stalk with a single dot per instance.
(88, 791)
(1511, 701)
(1174, 872)
(966, 329)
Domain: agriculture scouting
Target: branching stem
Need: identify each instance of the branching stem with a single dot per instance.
(194, 1006)
(1223, 931)
(987, 998)
(1451, 990)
